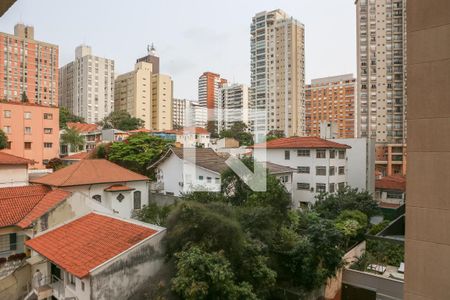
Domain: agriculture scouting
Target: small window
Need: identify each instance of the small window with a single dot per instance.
(48, 145)
(331, 188)
(208, 179)
(304, 153)
(72, 280)
(44, 222)
(217, 180)
(137, 199)
(284, 178)
(27, 115)
(82, 286)
(287, 154)
(341, 170)
(332, 153)
(27, 145)
(303, 170)
(332, 171)
(27, 130)
(48, 130)
(120, 197)
(341, 154)
(321, 154)
(97, 198)
(321, 187)
(200, 177)
(321, 171)
(48, 116)
(7, 114)
(7, 129)
(341, 185)
(302, 186)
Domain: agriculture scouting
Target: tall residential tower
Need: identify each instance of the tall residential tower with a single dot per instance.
(209, 85)
(277, 74)
(86, 85)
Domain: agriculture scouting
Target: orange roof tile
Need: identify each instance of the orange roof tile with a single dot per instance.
(9, 159)
(89, 171)
(395, 182)
(118, 188)
(85, 243)
(76, 156)
(301, 142)
(50, 200)
(83, 127)
(188, 130)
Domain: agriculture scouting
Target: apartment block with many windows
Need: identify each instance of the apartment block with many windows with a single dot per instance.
(209, 85)
(331, 99)
(233, 106)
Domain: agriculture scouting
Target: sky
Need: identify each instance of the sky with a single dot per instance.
(190, 36)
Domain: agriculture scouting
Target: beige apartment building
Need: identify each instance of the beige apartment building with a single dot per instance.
(146, 96)
(277, 93)
(427, 244)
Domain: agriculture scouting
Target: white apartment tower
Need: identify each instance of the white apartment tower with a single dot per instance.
(277, 95)
(187, 113)
(381, 52)
(233, 106)
(86, 85)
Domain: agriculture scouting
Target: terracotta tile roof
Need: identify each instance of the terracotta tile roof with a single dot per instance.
(395, 182)
(50, 200)
(189, 130)
(83, 127)
(278, 169)
(118, 188)
(89, 171)
(76, 156)
(141, 130)
(85, 243)
(22, 205)
(308, 142)
(9, 159)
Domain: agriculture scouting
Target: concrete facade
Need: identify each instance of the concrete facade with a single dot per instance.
(427, 245)
(162, 94)
(209, 85)
(86, 85)
(233, 106)
(277, 95)
(13, 175)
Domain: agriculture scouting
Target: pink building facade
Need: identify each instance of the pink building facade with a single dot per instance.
(32, 131)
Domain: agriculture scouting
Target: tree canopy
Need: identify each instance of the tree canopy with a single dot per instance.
(3, 140)
(239, 131)
(65, 116)
(72, 137)
(121, 120)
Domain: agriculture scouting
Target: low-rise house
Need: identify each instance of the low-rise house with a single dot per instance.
(13, 170)
(96, 256)
(74, 158)
(114, 187)
(91, 133)
(390, 191)
(190, 137)
(182, 170)
(321, 164)
(114, 135)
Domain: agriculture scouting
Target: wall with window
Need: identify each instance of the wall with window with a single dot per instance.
(11, 241)
(318, 170)
(13, 175)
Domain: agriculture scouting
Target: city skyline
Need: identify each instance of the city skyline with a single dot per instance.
(183, 40)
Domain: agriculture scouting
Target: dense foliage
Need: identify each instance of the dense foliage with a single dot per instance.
(275, 134)
(137, 152)
(72, 137)
(121, 120)
(55, 164)
(66, 116)
(240, 132)
(3, 140)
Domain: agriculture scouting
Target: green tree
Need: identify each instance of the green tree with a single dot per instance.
(275, 134)
(121, 120)
(204, 275)
(72, 137)
(55, 164)
(138, 152)
(331, 205)
(65, 116)
(3, 140)
(24, 97)
(239, 131)
(154, 214)
(211, 127)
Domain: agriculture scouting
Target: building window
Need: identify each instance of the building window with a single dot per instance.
(120, 197)
(341, 185)
(97, 198)
(48, 145)
(394, 195)
(321, 171)
(302, 186)
(48, 116)
(71, 280)
(284, 178)
(332, 171)
(332, 153)
(137, 199)
(44, 222)
(217, 180)
(200, 178)
(27, 130)
(321, 187)
(304, 153)
(303, 170)
(27, 115)
(208, 179)
(321, 154)
(7, 129)
(82, 286)
(8, 242)
(8, 144)
(287, 154)
(7, 114)
(331, 188)
(341, 171)
(27, 145)
(48, 130)
(341, 154)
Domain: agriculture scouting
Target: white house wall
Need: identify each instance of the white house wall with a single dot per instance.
(13, 175)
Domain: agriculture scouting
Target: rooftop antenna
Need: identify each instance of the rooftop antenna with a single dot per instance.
(151, 49)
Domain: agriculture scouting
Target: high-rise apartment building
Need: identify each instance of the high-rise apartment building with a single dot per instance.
(86, 85)
(151, 58)
(146, 96)
(209, 85)
(232, 106)
(179, 108)
(331, 99)
(381, 52)
(187, 113)
(28, 68)
(277, 95)
(427, 240)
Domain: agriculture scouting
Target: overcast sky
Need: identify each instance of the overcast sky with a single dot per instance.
(191, 36)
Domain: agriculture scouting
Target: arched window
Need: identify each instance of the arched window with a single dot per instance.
(137, 199)
(97, 198)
